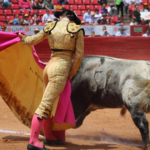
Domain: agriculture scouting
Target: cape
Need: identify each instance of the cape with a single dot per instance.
(21, 83)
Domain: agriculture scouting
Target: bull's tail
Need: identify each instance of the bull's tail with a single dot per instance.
(145, 105)
(123, 110)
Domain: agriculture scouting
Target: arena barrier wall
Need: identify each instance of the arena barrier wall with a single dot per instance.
(137, 48)
(131, 30)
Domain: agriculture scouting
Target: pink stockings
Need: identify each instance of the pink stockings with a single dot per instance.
(36, 127)
(47, 130)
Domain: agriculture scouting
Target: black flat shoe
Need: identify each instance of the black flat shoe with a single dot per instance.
(53, 142)
(31, 147)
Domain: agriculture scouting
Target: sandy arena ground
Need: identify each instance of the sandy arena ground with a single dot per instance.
(101, 130)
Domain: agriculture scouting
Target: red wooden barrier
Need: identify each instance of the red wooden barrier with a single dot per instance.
(137, 48)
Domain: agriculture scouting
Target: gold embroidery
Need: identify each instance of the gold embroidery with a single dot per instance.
(73, 28)
(60, 64)
(50, 26)
(78, 54)
(34, 39)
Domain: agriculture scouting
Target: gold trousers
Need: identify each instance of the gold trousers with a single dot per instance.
(55, 76)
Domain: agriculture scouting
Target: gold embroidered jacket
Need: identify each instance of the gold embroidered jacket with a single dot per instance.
(62, 35)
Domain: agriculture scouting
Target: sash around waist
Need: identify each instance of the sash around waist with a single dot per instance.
(62, 50)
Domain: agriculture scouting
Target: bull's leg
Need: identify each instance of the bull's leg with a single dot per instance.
(141, 122)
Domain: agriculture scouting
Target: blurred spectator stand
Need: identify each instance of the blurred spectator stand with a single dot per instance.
(147, 34)
(87, 15)
(39, 5)
(25, 5)
(122, 32)
(46, 16)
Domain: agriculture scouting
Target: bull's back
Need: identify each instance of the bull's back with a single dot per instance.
(100, 80)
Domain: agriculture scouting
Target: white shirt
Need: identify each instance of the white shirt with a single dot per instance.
(127, 1)
(119, 34)
(138, 1)
(45, 17)
(131, 24)
(145, 35)
(86, 16)
(98, 16)
(6, 1)
(145, 10)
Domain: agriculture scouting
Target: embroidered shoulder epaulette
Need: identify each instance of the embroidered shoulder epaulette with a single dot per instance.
(73, 28)
(49, 27)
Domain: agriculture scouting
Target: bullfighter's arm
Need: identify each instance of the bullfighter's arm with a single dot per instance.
(78, 54)
(34, 39)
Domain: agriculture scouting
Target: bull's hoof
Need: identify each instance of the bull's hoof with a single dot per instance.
(146, 148)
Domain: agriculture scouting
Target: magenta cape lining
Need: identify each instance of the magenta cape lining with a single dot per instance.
(64, 112)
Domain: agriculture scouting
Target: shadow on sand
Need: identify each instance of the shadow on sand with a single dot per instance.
(102, 141)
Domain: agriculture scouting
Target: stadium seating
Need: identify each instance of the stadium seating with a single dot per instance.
(83, 12)
(82, 7)
(14, 6)
(97, 6)
(2, 18)
(1, 23)
(81, 18)
(94, 2)
(70, 1)
(16, 11)
(66, 6)
(25, 11)
(90, 7)
(129, 7)
(8, 18)
(20, 16)
(55, 1)
(42, 12)
(86, 1)
(42, 23)
(14, 1)
(145, 1)
(29, 17)
(140, 7)
(50, 11)
(78, 12)
(78, 6)
(78, 2)
(7, 12)
(74, 7)
(1, 12)
(114, 19)
(33, 11)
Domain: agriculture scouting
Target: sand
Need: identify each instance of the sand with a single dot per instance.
(101, 130)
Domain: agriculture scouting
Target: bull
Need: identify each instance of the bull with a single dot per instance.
(106, 82)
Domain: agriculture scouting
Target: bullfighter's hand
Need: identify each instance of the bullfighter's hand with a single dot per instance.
(20, 35)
